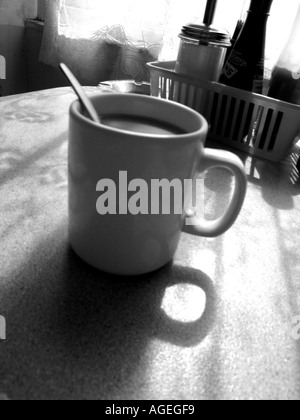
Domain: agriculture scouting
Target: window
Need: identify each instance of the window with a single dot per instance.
(98, 38)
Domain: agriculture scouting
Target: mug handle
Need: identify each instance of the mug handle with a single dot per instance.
(221, 159)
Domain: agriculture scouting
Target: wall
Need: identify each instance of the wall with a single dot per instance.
(12, 43)
(40, 76)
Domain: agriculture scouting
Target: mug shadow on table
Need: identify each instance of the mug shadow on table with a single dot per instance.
(78, 333)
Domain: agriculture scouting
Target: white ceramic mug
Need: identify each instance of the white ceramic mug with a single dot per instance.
(135, 244)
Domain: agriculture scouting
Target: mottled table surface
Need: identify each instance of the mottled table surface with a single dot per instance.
(217, 323)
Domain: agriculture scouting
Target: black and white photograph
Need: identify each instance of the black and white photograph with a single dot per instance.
(149, 203)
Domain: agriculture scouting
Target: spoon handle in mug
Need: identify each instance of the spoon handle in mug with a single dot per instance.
(85, 101)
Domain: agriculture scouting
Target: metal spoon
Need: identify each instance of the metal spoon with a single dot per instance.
(84, 99)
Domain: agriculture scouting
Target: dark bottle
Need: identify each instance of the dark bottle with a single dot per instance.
(245, 66)
(236, 34)
(285, 80)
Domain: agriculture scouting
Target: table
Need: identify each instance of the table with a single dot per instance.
(217, 323)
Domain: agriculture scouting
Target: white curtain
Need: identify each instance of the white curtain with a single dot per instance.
(113, 39)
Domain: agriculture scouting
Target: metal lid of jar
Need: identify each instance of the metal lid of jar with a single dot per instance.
(205, 35)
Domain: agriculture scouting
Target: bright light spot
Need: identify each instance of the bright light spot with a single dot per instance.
(184, 303)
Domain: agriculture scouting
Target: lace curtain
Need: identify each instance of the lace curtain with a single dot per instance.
(113, 39)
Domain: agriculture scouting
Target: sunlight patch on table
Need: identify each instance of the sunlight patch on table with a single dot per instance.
(184, 303)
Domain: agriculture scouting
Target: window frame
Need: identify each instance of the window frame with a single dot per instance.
(41, 5)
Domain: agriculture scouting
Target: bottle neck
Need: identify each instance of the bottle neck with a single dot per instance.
(256, 17)
(261, 7)
(257, 13)
(254, 30)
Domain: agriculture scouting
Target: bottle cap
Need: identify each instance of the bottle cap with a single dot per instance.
(205, 35)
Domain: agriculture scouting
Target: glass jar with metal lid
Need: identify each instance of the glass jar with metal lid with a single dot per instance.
(202, 51)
